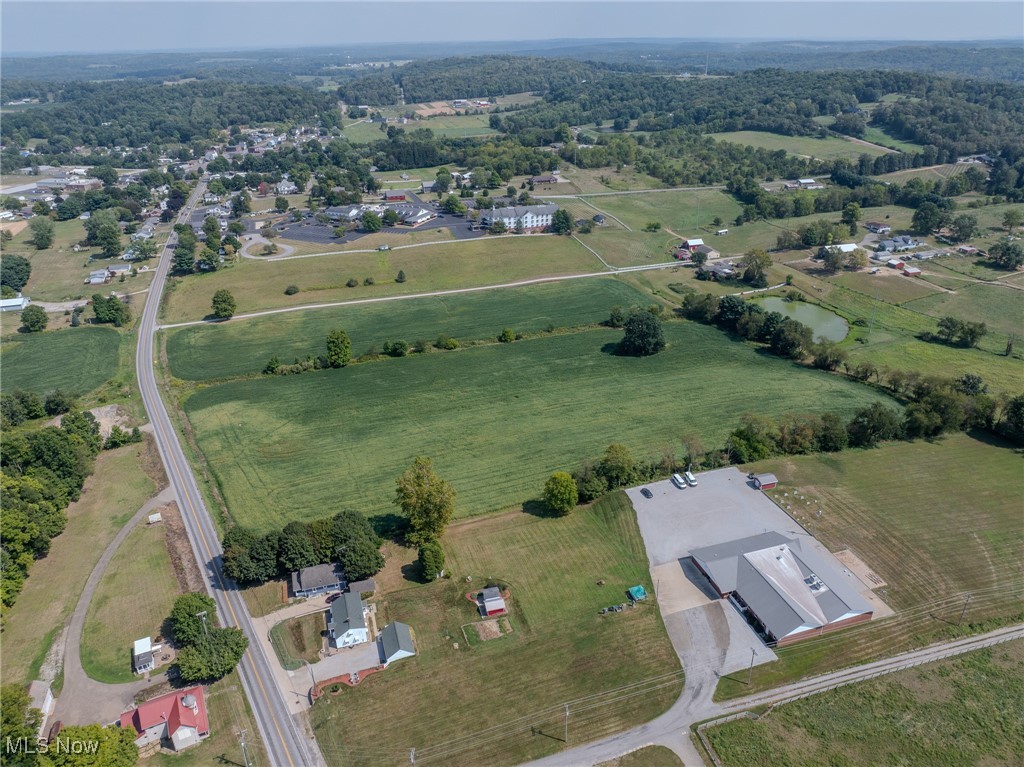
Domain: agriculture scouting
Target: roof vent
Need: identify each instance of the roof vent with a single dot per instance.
(188, 701)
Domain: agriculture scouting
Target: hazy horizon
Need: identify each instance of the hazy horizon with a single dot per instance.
(63, 27)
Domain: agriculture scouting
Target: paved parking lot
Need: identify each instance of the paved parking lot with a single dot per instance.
(309, 231)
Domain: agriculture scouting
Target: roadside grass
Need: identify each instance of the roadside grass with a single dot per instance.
(265, 598)
(648, 756)
(1000, 308)
(561, 651)
(133, 599)
(115, 491)
(687, 213)
(596, 180)
(298, 639)
(831, 148)
(58, 273)
(243, 347)
(369, 242)
(257, 285)
(285, 448)
(229, 714)
(954, 528)
(887, 286)
(76, 360)
(946, 714)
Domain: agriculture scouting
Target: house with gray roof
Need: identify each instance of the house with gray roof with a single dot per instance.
(786, 590)
(319, 579)
(529, 218)
(395, 643)
(346, 621)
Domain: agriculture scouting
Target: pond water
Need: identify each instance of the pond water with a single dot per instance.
(822, 322)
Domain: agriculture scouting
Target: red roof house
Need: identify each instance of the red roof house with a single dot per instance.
(390, 196)
(178, 719)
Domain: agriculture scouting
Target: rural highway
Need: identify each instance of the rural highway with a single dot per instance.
(284, 737)
(672, 728)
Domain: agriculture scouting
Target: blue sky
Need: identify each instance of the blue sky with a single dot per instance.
(86, 26)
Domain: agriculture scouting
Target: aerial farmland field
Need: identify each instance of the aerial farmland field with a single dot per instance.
(496, 419)
(831, 148)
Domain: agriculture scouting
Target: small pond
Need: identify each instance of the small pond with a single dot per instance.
(822, 322)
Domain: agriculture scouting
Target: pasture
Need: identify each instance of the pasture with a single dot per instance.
(114, 492)
(687, 213)
(596, 180)
(946, 714)
(888, 285)
(243, 347)
(76, 360)
(831, 148)
(930, 173)
(561, 649)
(496, 419)
(486, 261)
(299, 639)
(133, 599)
(949, 531)
(879, 136)
(1000, 307)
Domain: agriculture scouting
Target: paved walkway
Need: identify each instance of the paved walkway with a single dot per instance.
(84, 700)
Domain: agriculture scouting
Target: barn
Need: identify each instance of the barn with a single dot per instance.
(765, 481)
(392, 196)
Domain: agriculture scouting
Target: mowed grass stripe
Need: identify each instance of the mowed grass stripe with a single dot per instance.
(76, 360)
(496, 419)
(243, 347)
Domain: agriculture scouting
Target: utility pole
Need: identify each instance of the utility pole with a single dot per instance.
(245, 752)
(566, 723)
(750, 671)
(964, 611)
(202, 616)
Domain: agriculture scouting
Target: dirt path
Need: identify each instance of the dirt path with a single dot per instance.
(84, 700)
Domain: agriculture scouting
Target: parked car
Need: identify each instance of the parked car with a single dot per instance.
(678, 481)
(690, 479)
(332, 597)
(646, 493)
(384, 247)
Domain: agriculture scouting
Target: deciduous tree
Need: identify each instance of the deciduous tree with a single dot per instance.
(339, 348)
(223, 304)
(643, 334)
(427, 501)
(34, 319)
(41, 228)
(560, 493)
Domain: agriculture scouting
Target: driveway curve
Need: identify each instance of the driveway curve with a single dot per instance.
(84, 700)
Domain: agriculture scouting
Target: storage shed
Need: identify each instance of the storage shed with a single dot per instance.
(493, 603)
(765, 481)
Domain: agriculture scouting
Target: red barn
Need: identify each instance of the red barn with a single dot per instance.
(765, 481)
(493, 604)
(394, 196)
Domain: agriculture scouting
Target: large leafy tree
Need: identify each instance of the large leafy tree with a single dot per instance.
(18, 721)
(427, 501)
(34, 319)
(295, 547)
(339, 349)
(431, 560)
(356, 545)
(186, 618)
(41, 228)
(562, 222)
(560, 493)
(115, 747)
(14, 271)
(214, 657)
(644, 335)
(223, 304)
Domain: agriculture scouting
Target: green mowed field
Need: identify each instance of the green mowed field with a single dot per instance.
(954, 527)
(878, 136)
(243, 347)
(1000, 308)
(593, 180)
(621, 248)
(887, 285)
(957, 712)
(931, 173)
(133, 599)
(830, 148)
(495, 419)
(558, 649)
(684, 212)
(76, 360)
(260, 285)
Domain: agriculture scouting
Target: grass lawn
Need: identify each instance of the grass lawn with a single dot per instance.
(595, 180)
(265, 598)
(649, 756)
(58, 273)
(933, 519)
(621, 248)
(285, 448)
(887, 286)
(229, 713)
(953, 713)
(260, 285)
(456, 126)
(243, 347)
(133, 599)
(560, 650)
(76, 360)
(114, 492)
(999, 307)
(369, 242)
(299, 639)
(831, 148)
(677, 211)
(262, 204)
(878, 136)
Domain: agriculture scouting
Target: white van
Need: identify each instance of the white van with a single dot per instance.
(678, 481)
(690, 479)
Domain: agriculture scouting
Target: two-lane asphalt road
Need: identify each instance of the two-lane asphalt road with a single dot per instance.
(285, 739)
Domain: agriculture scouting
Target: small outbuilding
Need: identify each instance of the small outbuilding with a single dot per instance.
(396, 643)
(493, 602)
(765, 481)
(143, 655)
(911, 271)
